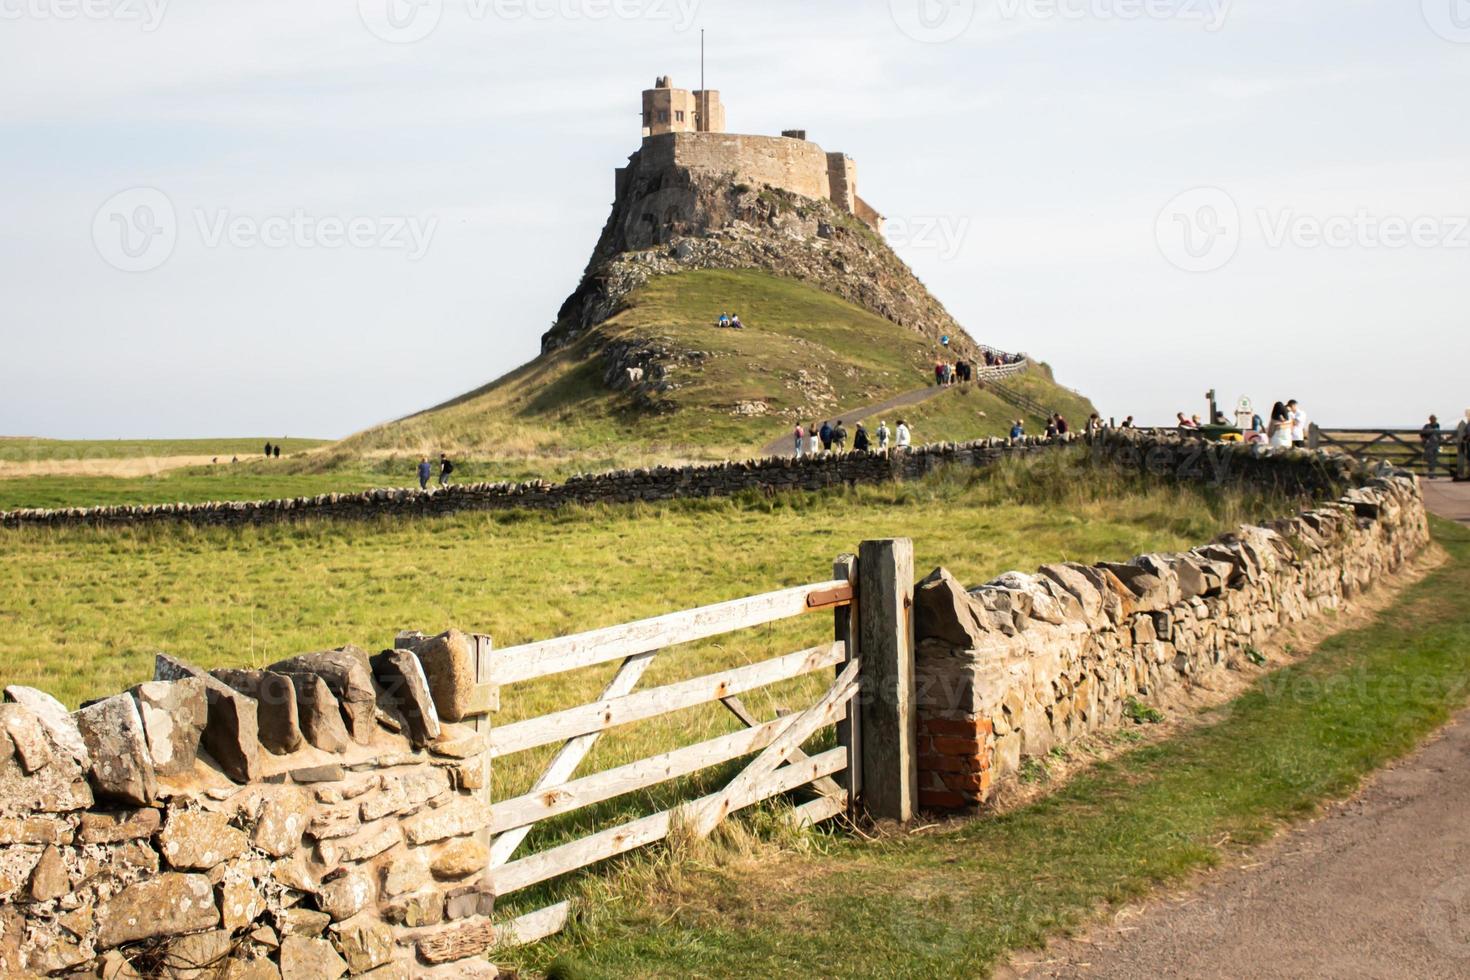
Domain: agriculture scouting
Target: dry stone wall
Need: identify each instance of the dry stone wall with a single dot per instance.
(624, 486)
(1027, 662)
(320, 818)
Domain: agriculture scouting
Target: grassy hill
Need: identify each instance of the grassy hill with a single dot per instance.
(804, 354)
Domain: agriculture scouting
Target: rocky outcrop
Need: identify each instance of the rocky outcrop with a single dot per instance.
(676, 219)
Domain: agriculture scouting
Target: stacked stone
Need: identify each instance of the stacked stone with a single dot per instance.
(1028, 662)
(770, 475)
(320, 818)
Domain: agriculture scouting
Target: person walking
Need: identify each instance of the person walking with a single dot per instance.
(839, 437)
(425, 471)
(811, 439)
(1432, 438)
(277, 450)
(905, 437)
(800, 440)
(826, 435)
(267, 450)
(446, 468)
(883, 435)
(860, 442)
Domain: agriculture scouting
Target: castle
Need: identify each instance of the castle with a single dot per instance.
(686, 130)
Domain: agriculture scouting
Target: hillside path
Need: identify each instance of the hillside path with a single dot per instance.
(1380, 887)
(785, 446)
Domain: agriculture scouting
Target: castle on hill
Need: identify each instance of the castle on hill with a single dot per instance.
(686, 130)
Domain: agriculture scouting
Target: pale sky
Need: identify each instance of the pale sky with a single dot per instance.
(375, 208)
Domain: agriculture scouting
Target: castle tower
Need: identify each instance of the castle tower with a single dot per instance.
(675, 110)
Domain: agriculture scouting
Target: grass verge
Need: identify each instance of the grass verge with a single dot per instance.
(956, 902)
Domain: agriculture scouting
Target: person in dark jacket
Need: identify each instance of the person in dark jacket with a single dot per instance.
(826, 437)
(1432, 437)
(276, 450)
(860, 442)
(425, 471)
(267, 450)
(839, 437)
(445, 469)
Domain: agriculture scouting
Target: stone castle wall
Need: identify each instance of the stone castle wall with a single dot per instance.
(307, 821)
(1027, 662)
(793, 165)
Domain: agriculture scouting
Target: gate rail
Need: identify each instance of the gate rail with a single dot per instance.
(870, 598)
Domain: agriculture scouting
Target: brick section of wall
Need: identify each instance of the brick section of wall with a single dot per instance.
(1025, 663)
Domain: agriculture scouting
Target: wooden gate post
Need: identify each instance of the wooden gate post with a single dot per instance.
(845, 629)
(888, 725)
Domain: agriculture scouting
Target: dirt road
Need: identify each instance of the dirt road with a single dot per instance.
(784, 446)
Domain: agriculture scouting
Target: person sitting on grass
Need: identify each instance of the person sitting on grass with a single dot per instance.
(724, 319)
(735, 323)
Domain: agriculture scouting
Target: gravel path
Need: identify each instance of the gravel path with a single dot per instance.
(785, 445)
(1380, 887)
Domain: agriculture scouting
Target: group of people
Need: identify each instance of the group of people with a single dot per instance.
(829, 438)
(426, 470)
(953, 373)
(732, 322)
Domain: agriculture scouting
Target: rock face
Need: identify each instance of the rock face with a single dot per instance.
(670, 219)
(54, 717)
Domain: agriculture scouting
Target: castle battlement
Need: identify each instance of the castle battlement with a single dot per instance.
(683, 129)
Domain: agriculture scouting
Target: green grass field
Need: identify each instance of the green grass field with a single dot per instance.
(20, 450)
(86, 610)
(954, 902)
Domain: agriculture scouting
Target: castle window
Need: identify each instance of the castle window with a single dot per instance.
(679, 116)
(663, 115)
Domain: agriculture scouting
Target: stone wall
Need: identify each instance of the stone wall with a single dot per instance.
(798, 166)
(624, 486)
(312, 820)
(1027, 662)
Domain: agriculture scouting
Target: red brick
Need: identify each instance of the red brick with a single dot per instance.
(941, 800)
(966, 782)
(946, 726)
(951, 763)
(947, 745)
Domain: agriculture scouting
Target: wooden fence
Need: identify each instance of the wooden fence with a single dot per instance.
(1403, 448)
(873, 767)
